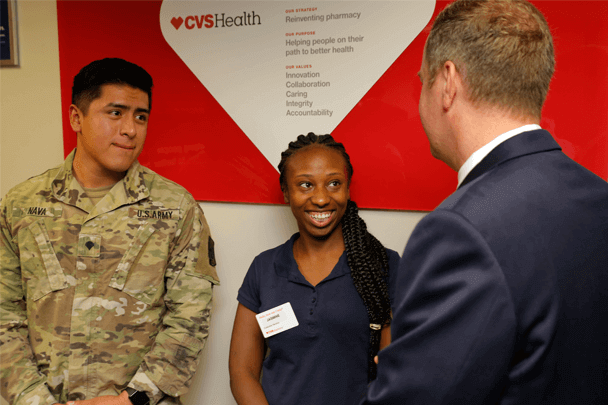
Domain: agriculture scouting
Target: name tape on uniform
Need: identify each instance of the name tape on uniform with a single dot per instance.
(277, 320)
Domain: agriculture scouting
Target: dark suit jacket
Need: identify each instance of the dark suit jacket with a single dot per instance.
(502, 291)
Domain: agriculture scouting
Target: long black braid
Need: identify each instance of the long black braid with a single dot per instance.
(366, 256)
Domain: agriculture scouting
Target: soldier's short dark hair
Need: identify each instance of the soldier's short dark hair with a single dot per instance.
(88, 82)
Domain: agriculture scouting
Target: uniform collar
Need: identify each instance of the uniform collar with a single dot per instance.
(130, 189)
(286, 266)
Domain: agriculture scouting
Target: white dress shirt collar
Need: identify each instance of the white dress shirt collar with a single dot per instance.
(482, 152)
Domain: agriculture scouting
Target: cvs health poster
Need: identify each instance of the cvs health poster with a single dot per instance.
(236, 81)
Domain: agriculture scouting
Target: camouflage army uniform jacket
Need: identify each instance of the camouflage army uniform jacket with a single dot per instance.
(95, 298)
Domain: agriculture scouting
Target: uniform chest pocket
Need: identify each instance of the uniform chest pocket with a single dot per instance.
(140, 272)
(40, 267)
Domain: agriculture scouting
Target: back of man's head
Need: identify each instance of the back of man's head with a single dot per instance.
(502, 48)
(88, 82)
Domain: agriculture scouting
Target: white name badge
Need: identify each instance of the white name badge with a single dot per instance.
(277, 320)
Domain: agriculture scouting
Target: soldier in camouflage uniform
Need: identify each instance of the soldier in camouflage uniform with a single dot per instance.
(107, 268)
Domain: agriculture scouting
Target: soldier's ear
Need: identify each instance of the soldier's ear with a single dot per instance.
(76, 116)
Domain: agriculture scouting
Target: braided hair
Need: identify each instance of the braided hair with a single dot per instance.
(366, 256)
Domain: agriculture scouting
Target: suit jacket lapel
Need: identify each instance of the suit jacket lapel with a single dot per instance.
(525, 143)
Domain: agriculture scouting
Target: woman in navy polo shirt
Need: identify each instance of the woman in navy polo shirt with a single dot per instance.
(335, 276)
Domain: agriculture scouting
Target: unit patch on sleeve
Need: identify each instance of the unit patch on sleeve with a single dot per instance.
(211, 247)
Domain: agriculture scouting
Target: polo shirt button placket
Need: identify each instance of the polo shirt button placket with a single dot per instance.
(311, 324)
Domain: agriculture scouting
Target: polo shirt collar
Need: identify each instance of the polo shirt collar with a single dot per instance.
(286, 266)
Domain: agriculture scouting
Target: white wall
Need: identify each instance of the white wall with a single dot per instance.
(30, 99)
(31, 142)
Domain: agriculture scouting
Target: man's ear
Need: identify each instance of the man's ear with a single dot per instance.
(451, 88)
(76, 116)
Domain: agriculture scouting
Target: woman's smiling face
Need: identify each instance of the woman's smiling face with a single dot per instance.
(317, 190)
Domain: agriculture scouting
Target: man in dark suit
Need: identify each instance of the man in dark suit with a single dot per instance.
(502, 291)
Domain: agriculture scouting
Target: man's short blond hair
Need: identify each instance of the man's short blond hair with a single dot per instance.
(502, 48)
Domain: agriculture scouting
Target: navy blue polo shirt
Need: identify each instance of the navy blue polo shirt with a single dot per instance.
(323, 360)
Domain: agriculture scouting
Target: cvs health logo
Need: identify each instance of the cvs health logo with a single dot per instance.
(217, 21)
(193, 21)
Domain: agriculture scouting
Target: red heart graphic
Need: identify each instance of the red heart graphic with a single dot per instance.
(177, 22)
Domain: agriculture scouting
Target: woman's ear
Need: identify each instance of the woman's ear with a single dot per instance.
(286, 196)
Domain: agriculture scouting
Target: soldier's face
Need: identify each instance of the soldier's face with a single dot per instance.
(111, 135)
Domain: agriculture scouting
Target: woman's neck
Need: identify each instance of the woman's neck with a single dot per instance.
(307, 245)
(316, 258)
